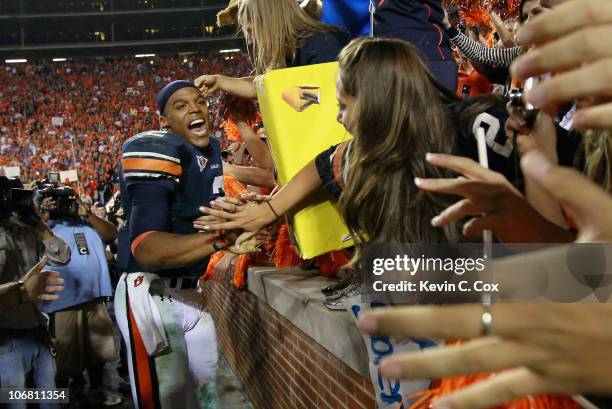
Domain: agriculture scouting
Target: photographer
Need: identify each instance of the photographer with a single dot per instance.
(25, 347)
(80, 324)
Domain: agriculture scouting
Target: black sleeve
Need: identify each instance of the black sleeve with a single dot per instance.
(323, 47)
(325, 169)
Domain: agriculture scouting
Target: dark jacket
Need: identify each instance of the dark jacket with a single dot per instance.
(418, 22)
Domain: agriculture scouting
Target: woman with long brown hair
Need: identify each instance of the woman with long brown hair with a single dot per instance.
(396, 111)
(279, 34)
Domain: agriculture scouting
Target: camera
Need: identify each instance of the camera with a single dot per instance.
(114, 209)
(15, 199)
(66, 204)
(516, 95)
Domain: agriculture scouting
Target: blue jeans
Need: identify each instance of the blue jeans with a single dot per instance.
(22, 354)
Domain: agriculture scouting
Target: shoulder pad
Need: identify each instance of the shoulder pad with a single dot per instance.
(152, 154)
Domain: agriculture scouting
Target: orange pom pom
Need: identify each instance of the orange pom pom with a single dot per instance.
(449, 385)
(446, 386)
(505, 8)
(210, 270)
(284, 254)
(232, 133)
(240, 271)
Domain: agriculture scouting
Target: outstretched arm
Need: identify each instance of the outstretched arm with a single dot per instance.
(250, 175)
(241, 87)
(492, 202)
(152, 244)
(106, 230)
(258, 149)
(152, 251)
(251, 217)
(474, 51)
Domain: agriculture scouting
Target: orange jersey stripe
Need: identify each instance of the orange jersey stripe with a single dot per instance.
(145, 383)
(159, 165)
(136, 242)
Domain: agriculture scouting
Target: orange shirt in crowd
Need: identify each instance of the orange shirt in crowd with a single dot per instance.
(476, 83)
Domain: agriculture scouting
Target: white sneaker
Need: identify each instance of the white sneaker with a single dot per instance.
(104, 397)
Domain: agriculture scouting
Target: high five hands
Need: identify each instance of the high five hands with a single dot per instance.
(245, 213)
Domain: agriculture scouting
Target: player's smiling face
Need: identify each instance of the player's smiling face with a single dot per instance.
(186, 115)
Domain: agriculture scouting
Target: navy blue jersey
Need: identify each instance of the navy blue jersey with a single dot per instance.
(319, 48)
(502, 156)
(416, 21)
(164, 180)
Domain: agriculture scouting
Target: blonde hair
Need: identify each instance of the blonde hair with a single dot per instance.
(598, 157)
(279, 28)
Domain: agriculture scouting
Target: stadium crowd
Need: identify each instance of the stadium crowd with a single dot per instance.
(100, 102)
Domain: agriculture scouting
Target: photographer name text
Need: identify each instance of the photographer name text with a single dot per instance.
(428, 286)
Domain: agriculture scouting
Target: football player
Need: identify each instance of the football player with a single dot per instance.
(165, 176)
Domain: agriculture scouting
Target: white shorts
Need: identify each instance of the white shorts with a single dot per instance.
(184, 375)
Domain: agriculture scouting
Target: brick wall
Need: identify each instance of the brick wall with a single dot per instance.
(279, 365)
